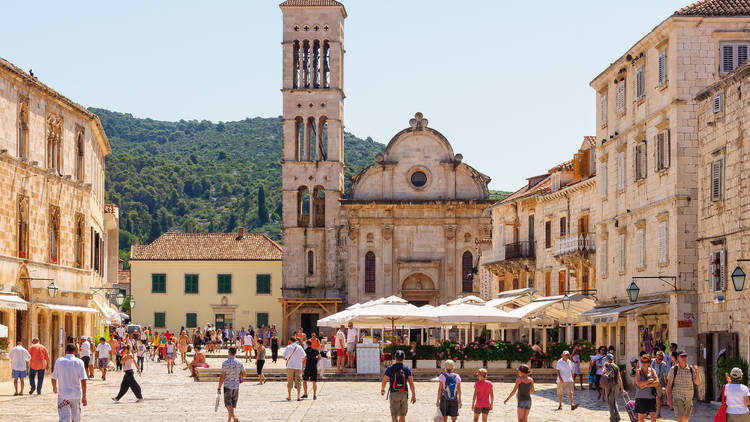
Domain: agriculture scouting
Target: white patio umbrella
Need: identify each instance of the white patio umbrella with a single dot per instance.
(467, 299)
(470, 313)
(404, 312)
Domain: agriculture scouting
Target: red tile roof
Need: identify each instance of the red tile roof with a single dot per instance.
(176, 246)
(716, 8)
(542, 186)
(591, 140)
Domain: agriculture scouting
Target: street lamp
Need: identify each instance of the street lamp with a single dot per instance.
(132, 302)
(566, 302)
(633, 291)
(738, 279)
(119, 299)
(52, 289)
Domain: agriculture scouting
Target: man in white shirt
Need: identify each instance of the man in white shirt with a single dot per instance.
(71, 376)
(19, 357)
(85, 352)
(247, 346)
(294, 354)
(351, 344)
(103, 350)
(121, 331)
(564, 369)
(340, 349)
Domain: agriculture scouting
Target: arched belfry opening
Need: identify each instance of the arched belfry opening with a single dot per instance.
(319, 206)
(303, 206)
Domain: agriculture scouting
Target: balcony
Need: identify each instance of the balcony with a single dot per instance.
(575, 249)
(512, 257)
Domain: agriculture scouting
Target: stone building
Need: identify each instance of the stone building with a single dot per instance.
(649, 160)
(723, 216)
(414, 220)
(54, 225)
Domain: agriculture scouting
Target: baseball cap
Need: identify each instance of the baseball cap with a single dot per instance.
(610, 356)
(633, 360)
(682, 353)
(735, 373)
(565, 353)
(399, 354)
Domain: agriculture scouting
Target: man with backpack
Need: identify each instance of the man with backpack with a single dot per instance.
(449, 392)
(398, 375)
(681, 383)
(611, 382)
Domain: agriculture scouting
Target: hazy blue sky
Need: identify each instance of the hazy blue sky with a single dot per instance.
(505, 82)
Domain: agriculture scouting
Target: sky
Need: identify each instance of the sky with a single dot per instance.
(507, 83)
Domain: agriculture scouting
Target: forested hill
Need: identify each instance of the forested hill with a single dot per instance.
(212, 177)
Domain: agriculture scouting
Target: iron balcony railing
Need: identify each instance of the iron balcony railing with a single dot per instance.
(517, 250)
(581, 242)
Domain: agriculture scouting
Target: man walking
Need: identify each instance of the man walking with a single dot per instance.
(612, 392)
(564, 369)
(18, 357)
(310, 363)
(71, 376)
(398, 375)
(232, 371)
(351, 344)
(662, 369)
(37, 365)
(680, 383)
(84, 350)
(103, 351)
(340, 349)
(294, 355)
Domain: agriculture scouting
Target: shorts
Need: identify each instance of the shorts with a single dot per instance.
(484, 410)
(170, 356)
(745, 417)
(660, 392)
(183, 349)
(247, 347)
(86, 360)
(259, 366)
(18, 374)
(293, 378)
(448, 407)
(645, 406)
(230, 397)
(399, 401)
(103, 363)
(311, 374)
(524, 404)
(69, 410)
(564, 388)
(350, 347)
(682, 407)
(340, 352)
(597, 380)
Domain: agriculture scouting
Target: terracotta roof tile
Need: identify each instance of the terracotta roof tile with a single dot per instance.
(176, 246)
(591, 140)
(524, 192)
(716, 8)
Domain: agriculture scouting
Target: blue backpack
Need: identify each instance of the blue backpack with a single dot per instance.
(449, 389)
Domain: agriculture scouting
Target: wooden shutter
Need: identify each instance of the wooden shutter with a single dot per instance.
(716, 179)
(621, 96)
(718, 103)
(727, 58)
(668, 148)
(640, 240)
(663, 256)
(603, 180)
(639, 83)
(621, 252)
(467, 266)
(603, 252)
(644, 159)
(741, 54)
(584, 166)
(369, 272)
(662, 67)
(717, 271)
(621, 170)
(723, 270)
(548, 284)
(547, 234)
(637, 161)
(561, 278)
(263, 284)
(577, 170)
(603, 109)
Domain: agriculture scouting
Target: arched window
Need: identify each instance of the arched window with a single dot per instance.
(299, 135)
(319, 206)
(79, 242)
(323, 141)
(79, 156)
(296, 77)
(316, 64)
(310, 263)
(23, 127)
(326, 78)
(23, 227)
(54, 235)
(311, 140)
(54, 142)
(467, 264)
(303, 207)
(370, 272)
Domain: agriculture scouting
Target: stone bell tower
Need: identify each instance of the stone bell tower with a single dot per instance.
(312, 160)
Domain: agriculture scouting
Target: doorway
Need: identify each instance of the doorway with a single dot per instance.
(222, 321)
(309, 324)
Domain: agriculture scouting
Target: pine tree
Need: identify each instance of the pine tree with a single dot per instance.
(262, 210)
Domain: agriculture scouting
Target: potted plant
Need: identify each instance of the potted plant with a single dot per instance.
(474, 355)
(586, 349)
(497, 352)
(452, 351)
(3, 346)
(519, 352)
(426, 356)
(555, 350)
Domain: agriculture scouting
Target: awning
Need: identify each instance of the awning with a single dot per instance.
(551, 307)
(502, 302)
(611, 313)
(68, 308)
(13, 302)
(110, 316)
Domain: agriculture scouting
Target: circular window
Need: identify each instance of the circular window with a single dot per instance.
(418, 179)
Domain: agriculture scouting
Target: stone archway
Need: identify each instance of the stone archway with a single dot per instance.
(420, 288)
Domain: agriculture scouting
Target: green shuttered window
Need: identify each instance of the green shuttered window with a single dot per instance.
(263, 284)
(191, 283)
(158, 283)
(160, 319)
(224, 283)
(191, 320)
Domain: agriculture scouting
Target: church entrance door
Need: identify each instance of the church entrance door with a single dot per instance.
(419, 289)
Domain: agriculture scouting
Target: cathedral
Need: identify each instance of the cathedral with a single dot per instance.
(412, 224)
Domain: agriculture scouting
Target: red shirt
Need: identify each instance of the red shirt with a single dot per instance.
(483, 389)
(39, 357)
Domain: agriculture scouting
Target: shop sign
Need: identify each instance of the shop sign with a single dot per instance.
(604, 319)
(684, 324)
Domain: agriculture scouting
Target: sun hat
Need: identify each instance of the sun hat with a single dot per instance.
(735, 373)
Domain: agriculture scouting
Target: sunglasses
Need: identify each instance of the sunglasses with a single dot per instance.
(646, 361)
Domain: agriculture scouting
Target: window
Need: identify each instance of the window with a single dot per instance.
(261, 319)
(418, 179)
(547, 234)
(663, 252)
(160, 319)
(733, 55)
(54, 142)
(263, 284)
(603, 253)
(79, 155)
(717, 179)
(79, 230)
(603, 180)
(640, 160)
(717, 103)
(467, 266)
(621, 252)
(663, 149)
(369, 272)
(662, 67)
(640, 241)
(717, 271)
(54, 235)
(191, 320)
(621, 170)
(158, 283)
(548, 283)
(603, 109)
(640, 88)
(621, 96)
(23, 227)
(23, 127)
(310, 262)
(531, 228)
(563, 226)
(191, 283)
(561, 279)
(224, 282)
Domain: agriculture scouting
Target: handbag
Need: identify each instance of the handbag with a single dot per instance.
(721, 414)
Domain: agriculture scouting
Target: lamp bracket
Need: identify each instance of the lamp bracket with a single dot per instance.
(663, 278)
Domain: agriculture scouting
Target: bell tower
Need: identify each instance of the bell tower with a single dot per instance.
(312, 157)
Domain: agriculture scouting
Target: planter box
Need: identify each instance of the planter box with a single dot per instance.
(497, 364)
(426, 364)
(585, 368)
(473, 364)
(515, 364)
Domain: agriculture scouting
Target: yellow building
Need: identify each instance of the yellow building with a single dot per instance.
(190, 279)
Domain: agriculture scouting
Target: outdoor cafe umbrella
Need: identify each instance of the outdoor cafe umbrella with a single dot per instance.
(470, 313)
(404, 312)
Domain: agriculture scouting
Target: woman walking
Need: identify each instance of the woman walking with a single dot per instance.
(183, 346)
(129, 364)
(524, 386)
(274, 347)
(323, 363)
(576, 358)
(260, 360)
(737, 398)
(169, 353)
(646, 383)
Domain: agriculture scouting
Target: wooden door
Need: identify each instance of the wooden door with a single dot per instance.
(548, 284)
(561, 288)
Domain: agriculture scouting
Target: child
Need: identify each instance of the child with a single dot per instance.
(525, 387)
(484, 397)
(141, 353)
(323, 363)
(449, 392)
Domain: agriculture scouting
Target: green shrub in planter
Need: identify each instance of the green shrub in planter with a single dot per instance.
(519, 352)
(585, 349)
(497, 350)
(448, 350)
(426, 351)
(724, 366)
(393, 347)
(554, 351)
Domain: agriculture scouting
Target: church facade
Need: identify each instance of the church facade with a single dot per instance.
(412, 223)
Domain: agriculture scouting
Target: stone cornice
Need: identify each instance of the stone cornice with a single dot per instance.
(47, 173)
